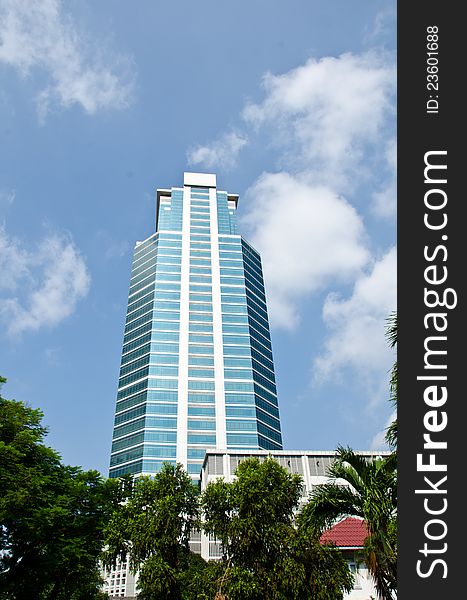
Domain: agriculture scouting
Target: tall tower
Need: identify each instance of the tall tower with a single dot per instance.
(197, 369)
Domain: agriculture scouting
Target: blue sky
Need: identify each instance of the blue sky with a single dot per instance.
(291, 104)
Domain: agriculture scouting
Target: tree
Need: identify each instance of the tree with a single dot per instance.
(265, 557)
(51, 515)
(152, 528)
(391, 336)
(371, 495)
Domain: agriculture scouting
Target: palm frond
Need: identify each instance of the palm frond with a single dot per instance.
(391, 329)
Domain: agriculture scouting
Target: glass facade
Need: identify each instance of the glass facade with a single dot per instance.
(197, 370)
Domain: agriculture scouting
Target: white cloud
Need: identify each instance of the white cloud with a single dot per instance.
(41, 287)
(385, 199)
(331, 123)
(307, 235)
(379, 440)
(325, 113)
(222, 153)
(14, 262)
(7, 197)
(357, 324)
(37, 34)
(112, 248)
(382, 26)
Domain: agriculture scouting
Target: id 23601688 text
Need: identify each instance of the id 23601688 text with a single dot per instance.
(432, 77)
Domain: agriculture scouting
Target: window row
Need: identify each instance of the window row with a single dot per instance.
(148, 395)
(154, 359)
(146, 408)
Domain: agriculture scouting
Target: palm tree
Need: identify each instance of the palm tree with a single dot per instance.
(391, 336)
(371, 495)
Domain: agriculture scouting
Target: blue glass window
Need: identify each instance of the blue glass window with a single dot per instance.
(200, 297)
(200, 338)
(164, 347)
(161, 268)
(169, 251)
(227, 328)
(201, 411)
(154, 466)
(241, 439)
(202, 361)
(238, 299)
(201, 398)
(200, 262)
(240, 411)
(238, 374)
(136, 343)
(166, 305)
(201, 327)
(160, 436)
(161, 422)
(161, 409)
(237, 340)
(192, 349)
(196, 453)
(200, 270)
(206, 439)
(237, 351)
(240, 425)
(233, 281)
(200, 279)
(165, 325)
(167, 277)
(163, 384)
(131, 440)
(194, 468)
(205, 424)
(239, 399)
(202, 317)
(166, 286)
(126, 470)
(232, 263)
(232, 273)
(165, 336)
(237, 362)
(160, 451)
(201, 384)
(235, 319)
(158, 395)
(200, 372)
(239, 386)
(199, 307)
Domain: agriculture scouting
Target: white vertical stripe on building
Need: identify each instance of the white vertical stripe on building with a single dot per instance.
(221, 435)
(182, 413)
(306, 472)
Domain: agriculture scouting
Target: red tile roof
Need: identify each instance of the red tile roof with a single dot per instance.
(349, 533)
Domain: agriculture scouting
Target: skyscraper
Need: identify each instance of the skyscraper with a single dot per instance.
(197, 369)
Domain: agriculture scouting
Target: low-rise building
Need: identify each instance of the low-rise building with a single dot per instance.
(349, 536)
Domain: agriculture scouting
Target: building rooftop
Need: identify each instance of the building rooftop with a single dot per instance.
(210, 452)
(199, 179)
(349, 533)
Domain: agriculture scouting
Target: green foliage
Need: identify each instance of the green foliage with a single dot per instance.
(152, 528)
(198, 578)
(391, 336)
(373, 497)
(266, 557)
(51, 515)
